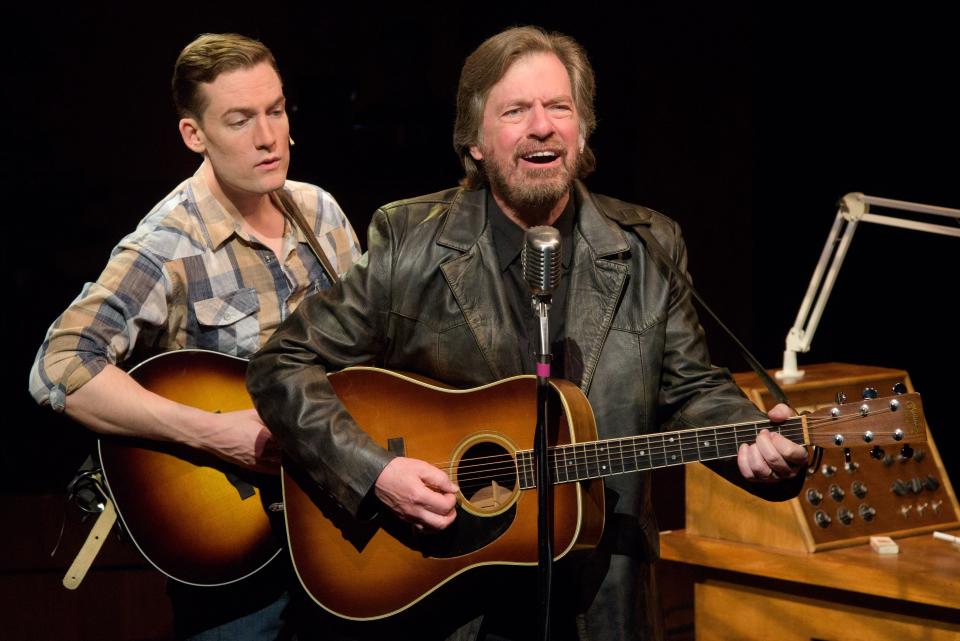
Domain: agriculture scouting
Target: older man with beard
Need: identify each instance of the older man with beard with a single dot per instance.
(440, 293)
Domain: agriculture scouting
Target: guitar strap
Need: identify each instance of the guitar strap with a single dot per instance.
(639, 219)
(290, 209)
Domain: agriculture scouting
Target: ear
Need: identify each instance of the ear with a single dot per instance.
(192, 135)
(476, 153)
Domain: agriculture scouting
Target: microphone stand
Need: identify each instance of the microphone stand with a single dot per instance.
(541, 305)
(541, 270)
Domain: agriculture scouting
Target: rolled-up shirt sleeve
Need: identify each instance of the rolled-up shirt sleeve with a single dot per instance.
(100, 325)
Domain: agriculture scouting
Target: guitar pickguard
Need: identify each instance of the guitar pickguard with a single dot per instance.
(468, 533)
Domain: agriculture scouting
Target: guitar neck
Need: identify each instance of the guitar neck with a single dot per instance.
(597, 459)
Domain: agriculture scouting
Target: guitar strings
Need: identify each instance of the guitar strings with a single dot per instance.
(578, 454)
(683, 436)
(624, 450)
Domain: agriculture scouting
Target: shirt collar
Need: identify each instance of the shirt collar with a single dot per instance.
(218, 221)
(508, 236)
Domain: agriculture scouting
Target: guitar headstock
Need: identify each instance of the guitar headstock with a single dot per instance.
(869, 423)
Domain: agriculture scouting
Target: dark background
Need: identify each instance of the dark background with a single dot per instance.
(745, 127)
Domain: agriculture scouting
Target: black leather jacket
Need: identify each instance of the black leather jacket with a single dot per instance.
(427, 297)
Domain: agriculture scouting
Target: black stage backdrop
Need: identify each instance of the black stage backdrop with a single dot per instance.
(745, 128)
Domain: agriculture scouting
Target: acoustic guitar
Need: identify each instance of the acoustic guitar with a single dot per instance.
(483, 438)
(194, 517)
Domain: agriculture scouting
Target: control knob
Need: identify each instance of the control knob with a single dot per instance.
(859, 489)
(836, 492)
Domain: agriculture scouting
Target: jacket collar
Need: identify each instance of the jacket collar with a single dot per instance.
(598, 222)
(598, 277)
(466, 220)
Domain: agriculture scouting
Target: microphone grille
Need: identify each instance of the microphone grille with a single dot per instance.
(541, 259)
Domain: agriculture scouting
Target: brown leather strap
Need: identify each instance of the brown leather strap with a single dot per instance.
(290, 209)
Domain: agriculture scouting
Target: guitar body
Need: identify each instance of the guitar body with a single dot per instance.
(196, 518)
(370, 570)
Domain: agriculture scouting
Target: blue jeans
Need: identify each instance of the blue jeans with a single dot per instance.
(254, 609)
(266, 624)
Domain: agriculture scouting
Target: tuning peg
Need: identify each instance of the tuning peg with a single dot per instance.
(876, 452)
(868, 393)
(841, 398)
(906, 451)
(846, 454)
(899, 389)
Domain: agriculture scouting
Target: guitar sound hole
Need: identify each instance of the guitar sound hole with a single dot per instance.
(487, 476)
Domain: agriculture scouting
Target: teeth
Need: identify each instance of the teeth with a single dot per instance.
(542, 154)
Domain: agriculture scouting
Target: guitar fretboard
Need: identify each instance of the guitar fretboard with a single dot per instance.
(596, 459)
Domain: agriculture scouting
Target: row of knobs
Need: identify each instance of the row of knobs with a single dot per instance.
(918, 455)
(915, 485)
(815, 496)
(845, 516)
(867, 513)
(859, 489)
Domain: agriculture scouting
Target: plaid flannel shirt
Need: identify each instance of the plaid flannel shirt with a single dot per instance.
(189, 277)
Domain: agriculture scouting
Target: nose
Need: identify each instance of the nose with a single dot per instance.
(264, 136)
(541, 126)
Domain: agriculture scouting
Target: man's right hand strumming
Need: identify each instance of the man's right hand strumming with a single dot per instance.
(418, 493)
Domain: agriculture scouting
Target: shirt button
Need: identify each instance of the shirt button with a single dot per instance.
(269, 258)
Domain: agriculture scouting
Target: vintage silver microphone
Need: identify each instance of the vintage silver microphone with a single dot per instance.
(541, 269)
(541, 261)
(540, 258)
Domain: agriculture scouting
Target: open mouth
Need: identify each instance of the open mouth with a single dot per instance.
(542, 157)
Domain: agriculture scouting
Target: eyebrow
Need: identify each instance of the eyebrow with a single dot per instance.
(527, 101)
(248, 111)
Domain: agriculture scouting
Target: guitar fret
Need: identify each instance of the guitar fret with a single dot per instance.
(555, 474)
(671, 448)
(590, 459)
(728, 442)
(603, 458)
(564, 467)
(578, 469)
(642, 456)
(707, 444)
(568, 459)
(628, 455)
(689, 447)
(616, 460)
(658, 452)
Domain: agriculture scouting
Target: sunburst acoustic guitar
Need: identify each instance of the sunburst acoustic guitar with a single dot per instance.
(483, 438)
